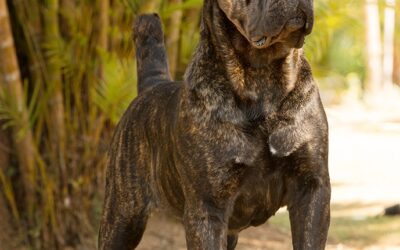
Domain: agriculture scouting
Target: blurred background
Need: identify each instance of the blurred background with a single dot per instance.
(67, 73)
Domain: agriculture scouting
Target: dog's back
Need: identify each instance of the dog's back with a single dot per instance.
(151, 55)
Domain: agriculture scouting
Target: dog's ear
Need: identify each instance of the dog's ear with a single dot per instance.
(308, 7)
(226, 6)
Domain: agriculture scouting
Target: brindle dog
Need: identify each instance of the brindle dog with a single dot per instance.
(244, 134)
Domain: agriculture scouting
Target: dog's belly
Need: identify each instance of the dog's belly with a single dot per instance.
(259, 198)
(172, 197)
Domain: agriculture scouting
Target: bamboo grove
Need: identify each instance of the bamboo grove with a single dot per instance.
(66, 75)
(57, 112)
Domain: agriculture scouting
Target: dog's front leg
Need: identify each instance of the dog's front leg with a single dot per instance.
(205, 227)
(309, 212)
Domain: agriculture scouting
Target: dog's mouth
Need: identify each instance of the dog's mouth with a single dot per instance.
(295, 27)
(262, 42)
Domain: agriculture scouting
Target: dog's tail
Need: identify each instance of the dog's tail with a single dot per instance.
(151, 55)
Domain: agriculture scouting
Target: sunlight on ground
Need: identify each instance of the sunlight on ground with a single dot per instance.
(365, 172)
(350, 232)
(364, 153)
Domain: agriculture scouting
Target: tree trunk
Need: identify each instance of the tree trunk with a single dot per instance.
(396, 63)
(374, 48)
(173, 35)
(22, 135)
(103, 24)
(57, 132)
(388, 44)
(189, 36)
(27, 14)
(66, 7)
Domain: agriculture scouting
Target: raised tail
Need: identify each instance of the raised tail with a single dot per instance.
(151, 55)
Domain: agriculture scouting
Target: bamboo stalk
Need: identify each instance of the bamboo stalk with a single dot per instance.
(11, 79)
(172, 42)
(396, 63)
(103, 23)
(190, 29)
(57, 131)
(396, 60)
(67, 7)
(28, 16)
(388, 43)
(374, 47)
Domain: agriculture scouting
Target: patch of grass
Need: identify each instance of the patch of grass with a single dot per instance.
(281, 221)
(363, 232)
(358, 232)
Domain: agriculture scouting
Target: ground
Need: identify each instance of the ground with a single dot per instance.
(365, 173)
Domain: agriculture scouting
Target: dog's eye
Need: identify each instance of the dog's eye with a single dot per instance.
(248, 2)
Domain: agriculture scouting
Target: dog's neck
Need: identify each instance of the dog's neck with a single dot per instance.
(223, 45)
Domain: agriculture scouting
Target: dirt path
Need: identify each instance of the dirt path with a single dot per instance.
(165, 234)
(365, 155)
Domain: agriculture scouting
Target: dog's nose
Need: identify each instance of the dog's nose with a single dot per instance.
(295, 24)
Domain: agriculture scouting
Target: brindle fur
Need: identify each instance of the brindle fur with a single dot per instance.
(244, 134)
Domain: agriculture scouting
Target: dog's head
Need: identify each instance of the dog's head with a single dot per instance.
(266, 22)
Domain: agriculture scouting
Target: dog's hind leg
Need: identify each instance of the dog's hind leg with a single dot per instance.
(127, 198)
(121, 229)
(123, 223)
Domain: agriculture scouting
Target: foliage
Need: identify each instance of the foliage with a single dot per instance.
(113, 94)
(97, 84)
(336, 45)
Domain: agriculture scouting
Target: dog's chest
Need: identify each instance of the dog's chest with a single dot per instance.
(232, 128)
(269, 88)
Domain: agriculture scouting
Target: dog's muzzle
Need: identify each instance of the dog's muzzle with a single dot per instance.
(296, 24)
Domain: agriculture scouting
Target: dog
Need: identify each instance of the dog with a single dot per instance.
(243, 135)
